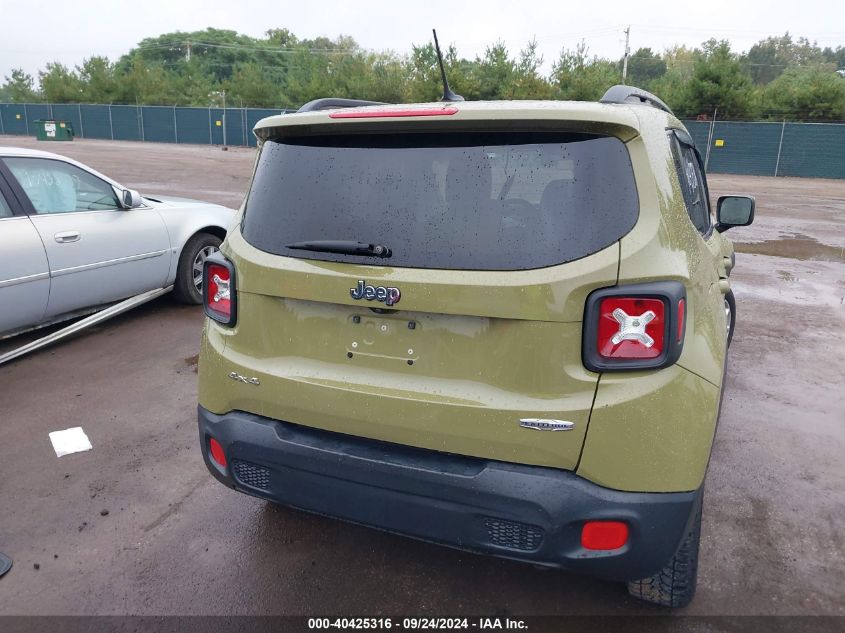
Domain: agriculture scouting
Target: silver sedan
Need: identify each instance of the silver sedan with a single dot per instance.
(72, 240)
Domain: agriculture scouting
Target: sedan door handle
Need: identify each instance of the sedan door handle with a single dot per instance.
(67, 236)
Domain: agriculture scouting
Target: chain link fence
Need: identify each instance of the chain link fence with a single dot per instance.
(733, 147)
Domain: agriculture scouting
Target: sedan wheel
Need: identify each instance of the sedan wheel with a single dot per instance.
(199, 260)
(188, 285)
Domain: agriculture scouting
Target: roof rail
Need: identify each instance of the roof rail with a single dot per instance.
(331, 103)
(630, 94)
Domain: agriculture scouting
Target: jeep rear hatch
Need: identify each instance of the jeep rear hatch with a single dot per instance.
(458, 201)
(470, 327)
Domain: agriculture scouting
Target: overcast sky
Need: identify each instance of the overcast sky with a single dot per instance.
(36, 32)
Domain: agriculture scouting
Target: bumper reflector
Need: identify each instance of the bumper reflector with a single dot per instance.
(217, 453)
(604, 535)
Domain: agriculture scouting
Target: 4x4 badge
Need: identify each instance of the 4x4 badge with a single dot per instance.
(247, 381)
(386, 294)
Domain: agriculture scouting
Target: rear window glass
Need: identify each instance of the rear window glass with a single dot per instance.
(466, 201)
(5, 211)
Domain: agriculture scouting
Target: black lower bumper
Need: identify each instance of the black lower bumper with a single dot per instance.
(529, 513)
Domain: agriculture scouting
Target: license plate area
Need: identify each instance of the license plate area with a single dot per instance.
(378, 336)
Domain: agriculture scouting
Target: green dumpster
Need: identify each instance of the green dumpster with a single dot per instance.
(49, 130)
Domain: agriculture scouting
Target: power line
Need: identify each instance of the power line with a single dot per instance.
(672, 29)
(365, 53)
(244, 47)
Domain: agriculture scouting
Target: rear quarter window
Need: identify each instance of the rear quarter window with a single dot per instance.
(693, 184)
(460, 201)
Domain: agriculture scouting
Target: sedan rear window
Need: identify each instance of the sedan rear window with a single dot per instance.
(460, 201)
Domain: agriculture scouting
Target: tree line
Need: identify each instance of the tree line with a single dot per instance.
(777, 78)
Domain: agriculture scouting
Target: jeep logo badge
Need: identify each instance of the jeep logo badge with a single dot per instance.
(387, 295)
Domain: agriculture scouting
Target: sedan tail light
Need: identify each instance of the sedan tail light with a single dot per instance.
(218, 289)
(632, 327)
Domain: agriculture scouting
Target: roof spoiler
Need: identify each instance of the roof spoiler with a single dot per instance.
(333, 103)
(630, 94)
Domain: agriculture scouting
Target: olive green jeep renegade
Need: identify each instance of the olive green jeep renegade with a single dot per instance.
(497, 326)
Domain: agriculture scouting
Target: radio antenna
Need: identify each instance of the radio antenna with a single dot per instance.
(448, 95)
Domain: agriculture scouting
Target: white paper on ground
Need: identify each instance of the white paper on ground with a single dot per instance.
(70, 441)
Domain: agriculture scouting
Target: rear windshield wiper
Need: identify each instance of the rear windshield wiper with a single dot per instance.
(344, 247)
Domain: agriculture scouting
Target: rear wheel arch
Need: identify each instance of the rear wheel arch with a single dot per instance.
(216, 231)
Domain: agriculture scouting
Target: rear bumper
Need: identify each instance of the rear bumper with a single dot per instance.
(529, 513)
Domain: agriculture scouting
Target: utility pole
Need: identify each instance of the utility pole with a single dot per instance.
(188, 51)
(224, 121)
(627, 52)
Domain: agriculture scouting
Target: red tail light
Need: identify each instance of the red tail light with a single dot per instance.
(631, 327)
(218, 455)
(604, 535)
(639, 326)
(219, 290)
(373, 113)
(682, 304)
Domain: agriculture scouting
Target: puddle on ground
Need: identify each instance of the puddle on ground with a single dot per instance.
(799, 247)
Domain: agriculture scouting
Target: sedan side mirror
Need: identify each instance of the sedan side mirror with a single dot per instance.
(734, 211)
(128, 198)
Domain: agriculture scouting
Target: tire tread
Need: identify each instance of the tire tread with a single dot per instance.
(674, 585)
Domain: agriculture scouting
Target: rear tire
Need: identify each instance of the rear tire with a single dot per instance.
(730, 314)
(674, 585)
(188, 285)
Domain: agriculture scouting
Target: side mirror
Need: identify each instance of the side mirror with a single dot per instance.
(128, 198)
(734, 211)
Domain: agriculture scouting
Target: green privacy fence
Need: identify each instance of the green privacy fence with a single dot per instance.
(159, 124)
(812, 150)
(758, 148)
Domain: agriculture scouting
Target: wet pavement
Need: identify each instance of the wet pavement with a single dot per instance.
(137, 525)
